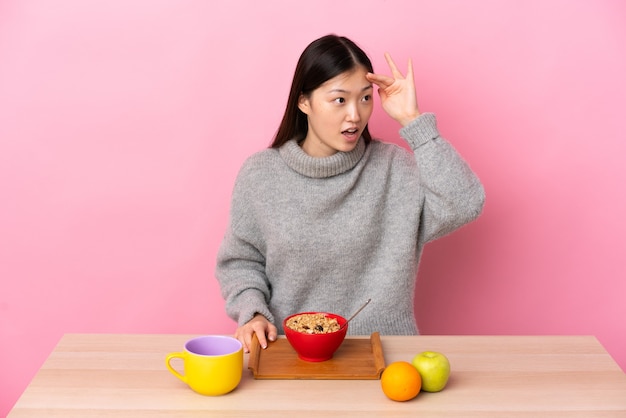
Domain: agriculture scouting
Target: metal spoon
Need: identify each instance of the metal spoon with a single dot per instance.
(355, 314)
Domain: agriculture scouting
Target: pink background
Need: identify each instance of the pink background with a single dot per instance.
(123, 125)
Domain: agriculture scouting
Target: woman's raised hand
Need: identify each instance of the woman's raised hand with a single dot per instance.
(397, 93)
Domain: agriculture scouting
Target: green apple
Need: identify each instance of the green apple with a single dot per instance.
(434, 368)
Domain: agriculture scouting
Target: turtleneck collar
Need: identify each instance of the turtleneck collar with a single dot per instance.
(323, 167)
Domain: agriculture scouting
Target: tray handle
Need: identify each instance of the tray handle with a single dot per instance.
(377, 350)
(255, 355)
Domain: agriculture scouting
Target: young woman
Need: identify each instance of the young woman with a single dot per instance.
(328, 217)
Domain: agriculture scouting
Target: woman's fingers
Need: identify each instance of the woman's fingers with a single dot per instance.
(392, 65)
(260, 326)
(384, 81)
(380, 80)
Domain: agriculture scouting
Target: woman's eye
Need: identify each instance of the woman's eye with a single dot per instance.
(367, 98)
(340, 100)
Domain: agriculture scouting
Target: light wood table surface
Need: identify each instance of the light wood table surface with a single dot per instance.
(100, 375)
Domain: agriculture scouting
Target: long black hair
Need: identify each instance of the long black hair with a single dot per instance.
(324, 58)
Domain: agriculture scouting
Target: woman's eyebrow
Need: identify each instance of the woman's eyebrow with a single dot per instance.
(347, 91)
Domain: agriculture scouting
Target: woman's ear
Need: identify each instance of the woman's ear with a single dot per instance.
(303, 104)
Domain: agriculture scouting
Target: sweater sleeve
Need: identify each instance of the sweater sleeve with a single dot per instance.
(452, 193)
(240, 268)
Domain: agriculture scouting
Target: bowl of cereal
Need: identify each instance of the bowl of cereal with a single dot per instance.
(315, 336)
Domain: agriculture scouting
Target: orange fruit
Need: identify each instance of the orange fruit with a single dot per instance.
(401, 381)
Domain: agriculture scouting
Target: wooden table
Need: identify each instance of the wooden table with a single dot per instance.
(492, 376)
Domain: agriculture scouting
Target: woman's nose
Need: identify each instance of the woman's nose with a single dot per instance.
(353, 114)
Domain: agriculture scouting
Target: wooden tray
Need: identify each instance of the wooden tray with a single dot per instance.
(356, 359)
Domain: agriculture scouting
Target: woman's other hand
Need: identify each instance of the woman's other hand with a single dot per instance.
(260, 326)
(397, 93)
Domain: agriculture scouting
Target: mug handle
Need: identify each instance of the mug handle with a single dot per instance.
(169, 358)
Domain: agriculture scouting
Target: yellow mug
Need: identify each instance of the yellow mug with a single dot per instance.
(213, 364)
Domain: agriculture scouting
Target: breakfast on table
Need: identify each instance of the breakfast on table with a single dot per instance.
(213, 365)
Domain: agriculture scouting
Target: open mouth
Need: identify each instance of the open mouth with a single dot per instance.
(350, 132)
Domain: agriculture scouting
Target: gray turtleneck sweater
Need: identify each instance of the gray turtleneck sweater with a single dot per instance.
(326, 234)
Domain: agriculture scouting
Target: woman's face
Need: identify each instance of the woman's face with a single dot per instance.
(337, 112)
